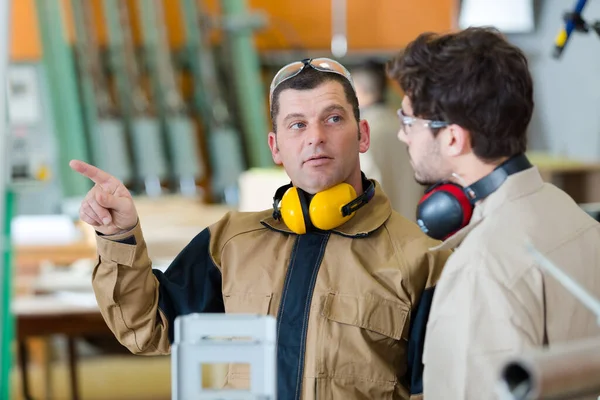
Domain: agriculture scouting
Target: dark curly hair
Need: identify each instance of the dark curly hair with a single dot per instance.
(473, 78)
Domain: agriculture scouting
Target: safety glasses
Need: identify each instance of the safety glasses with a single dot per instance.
(320, 64)
(407, 122)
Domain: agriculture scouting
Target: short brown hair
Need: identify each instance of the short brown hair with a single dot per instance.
(473, 78)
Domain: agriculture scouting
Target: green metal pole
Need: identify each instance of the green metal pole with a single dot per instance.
(58, 61)
(189, 9)
(226, 154)
(6, 317)
(117, 62)
(150, 34)
(249, 87)
(133, 107)
(89, 106)
(7, 321)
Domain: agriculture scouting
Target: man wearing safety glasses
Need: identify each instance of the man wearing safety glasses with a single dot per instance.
(349, 280)
(468, 103)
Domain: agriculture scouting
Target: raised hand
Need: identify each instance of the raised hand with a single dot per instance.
(108, 206)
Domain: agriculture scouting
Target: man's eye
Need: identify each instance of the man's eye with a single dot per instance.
(334, 118)
(297, 125)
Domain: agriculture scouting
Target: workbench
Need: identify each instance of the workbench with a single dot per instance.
(169, 223)
(46, 315)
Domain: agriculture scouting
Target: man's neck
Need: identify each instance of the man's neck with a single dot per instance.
(357, 183)
(473, 169)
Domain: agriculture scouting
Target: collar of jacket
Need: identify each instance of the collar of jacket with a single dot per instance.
(367, 219)
(517, 185)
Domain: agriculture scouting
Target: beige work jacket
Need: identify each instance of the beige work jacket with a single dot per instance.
(493, 301)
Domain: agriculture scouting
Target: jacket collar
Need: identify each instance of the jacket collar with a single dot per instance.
(367, 219)
(516, 185)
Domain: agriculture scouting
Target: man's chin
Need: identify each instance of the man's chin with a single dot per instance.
(313, 188)
(319, 182)
(424, 182)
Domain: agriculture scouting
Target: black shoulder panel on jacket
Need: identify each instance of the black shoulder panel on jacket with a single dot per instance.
(418, 325)
(191, 284)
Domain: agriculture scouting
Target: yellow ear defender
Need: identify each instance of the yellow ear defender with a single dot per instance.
(325, 211)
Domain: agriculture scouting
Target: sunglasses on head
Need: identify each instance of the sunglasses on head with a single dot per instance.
(322, 64)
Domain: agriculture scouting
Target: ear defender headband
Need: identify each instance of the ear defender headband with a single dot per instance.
(325, 211)
(447, 207)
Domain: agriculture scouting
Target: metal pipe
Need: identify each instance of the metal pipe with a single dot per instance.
(564, 371)
(6, 318)
(245, 67)
(65, 102)
(339, 40)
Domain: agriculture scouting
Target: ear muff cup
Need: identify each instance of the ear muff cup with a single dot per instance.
(291, 211)
(443, 210)
(447, 207)
(324, 211)
(326, 207)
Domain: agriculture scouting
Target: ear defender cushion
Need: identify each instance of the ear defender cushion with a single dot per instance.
(326, 206)
(443, 211)
(291, 211)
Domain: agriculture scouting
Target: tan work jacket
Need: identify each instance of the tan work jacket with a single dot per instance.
(351, 304)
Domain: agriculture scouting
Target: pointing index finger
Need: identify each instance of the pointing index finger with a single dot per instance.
(95, 174)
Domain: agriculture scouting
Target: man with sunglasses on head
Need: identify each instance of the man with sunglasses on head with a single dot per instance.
(349, 280)
(468, 102)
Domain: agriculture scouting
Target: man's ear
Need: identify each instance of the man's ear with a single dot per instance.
(364, 136)
(456, 140)
(274, 148)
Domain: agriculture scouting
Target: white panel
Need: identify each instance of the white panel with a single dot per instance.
(258, 186)
(23, 95)
(509, 16)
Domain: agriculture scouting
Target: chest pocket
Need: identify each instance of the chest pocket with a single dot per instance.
(238, 375)
(247, 303)
(363, 337)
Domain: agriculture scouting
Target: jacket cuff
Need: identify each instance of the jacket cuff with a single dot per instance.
(111, 247)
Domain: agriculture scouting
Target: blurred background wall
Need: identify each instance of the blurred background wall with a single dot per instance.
(225, 55)
(171, 96)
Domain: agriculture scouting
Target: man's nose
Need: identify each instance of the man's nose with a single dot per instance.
(316, 136)
(402, 136)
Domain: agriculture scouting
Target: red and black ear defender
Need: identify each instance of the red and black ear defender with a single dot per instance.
(447, 207)
(443, 210)
(326, 210)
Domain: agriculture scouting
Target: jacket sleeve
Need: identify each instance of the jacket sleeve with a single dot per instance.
(139, 304)
(425, 270)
